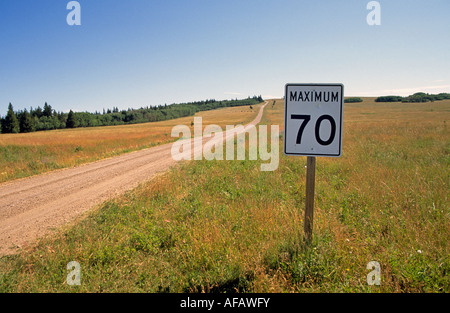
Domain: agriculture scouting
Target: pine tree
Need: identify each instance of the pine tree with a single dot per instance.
(36, 112)
(47, 110)
(71, 123)
(26, 122)
(10, 123)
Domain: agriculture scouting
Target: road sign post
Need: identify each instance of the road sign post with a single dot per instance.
(309, 201)
(313, 127)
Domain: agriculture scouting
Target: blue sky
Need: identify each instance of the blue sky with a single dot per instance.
(145, 52)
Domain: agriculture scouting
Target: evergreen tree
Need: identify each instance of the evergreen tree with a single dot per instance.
(10, 124)
(26, 122)
(71, 123)
(36, 112)
(47, 110)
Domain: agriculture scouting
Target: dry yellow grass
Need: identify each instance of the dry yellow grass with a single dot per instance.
(28, 154)
(386, 198)
(226, 226)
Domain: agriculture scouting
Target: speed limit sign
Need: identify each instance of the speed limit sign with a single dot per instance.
(313, 119)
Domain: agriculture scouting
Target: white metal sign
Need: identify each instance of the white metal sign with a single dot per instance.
(313, 115)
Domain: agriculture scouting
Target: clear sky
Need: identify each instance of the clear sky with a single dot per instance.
(133, 53)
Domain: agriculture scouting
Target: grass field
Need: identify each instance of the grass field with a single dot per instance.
(226, 226)
(23, 155)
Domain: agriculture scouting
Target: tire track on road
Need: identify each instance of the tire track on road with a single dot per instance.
(32, 207)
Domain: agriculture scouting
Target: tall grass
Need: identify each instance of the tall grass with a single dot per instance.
(23, 155)
(225, 226)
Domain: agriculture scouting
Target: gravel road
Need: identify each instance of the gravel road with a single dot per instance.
(38, 205)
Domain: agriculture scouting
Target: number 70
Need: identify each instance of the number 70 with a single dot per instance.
(306, 119)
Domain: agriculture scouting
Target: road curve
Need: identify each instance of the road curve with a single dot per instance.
(33, 207)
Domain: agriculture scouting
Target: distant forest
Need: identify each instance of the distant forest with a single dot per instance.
(417, 97)
(47, 118)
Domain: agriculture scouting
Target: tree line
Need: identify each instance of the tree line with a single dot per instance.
(353, 100)
(417, 97)
(47, 118)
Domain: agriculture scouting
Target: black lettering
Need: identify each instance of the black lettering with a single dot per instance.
(318, 97)
(294, 96)
(334, 96)
(307, 95)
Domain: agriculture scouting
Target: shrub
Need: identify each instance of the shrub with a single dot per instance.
(353, 100)
(389, 99)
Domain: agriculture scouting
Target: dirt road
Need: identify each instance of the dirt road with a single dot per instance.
(35, 206)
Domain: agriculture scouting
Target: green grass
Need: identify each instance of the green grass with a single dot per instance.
(27, 154)
(225, 226)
